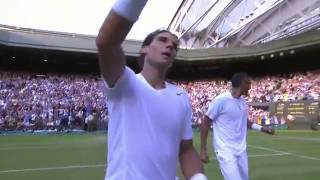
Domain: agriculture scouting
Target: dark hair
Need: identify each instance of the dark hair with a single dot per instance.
(148, 40)
(238, 78)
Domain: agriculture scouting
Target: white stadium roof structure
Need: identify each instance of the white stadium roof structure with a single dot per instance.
(234, 23)
(209, 31)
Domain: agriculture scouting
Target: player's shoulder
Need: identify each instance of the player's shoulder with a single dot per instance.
(223, 96)
(127, 74)
(221, 99)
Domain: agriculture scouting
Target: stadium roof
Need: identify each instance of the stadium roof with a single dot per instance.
(200, 24)
(232, 23)
(30, 38)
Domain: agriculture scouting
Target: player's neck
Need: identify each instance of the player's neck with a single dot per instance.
(235, 93)
(154, 76)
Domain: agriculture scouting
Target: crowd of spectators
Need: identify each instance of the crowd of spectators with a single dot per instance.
(51, 101)
(57, 101)
(296, 86)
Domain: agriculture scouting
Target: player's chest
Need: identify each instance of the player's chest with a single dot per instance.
(165, 110)
(235, 109)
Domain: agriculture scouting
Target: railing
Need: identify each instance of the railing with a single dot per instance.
(312, 22)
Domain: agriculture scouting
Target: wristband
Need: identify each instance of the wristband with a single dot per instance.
(256, 127)
(199, 176)
(129, 9)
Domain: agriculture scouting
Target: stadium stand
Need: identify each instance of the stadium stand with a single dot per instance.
(61, 101)
(50, 80)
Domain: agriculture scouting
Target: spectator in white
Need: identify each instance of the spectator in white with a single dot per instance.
(228, 113)
(1, 122)
(146, 112)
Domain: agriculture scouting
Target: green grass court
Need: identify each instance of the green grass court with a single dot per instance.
(292, 155)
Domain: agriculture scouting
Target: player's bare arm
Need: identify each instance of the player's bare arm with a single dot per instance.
(257, 127)
(111, 35)
(204, 129)
(189, 160)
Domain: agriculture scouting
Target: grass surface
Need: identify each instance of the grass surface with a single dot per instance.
(293, 155)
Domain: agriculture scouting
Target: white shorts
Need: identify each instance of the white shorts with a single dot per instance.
(233, 167)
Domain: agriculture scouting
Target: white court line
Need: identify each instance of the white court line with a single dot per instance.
(42, 147)
(267, 155)
(11, 146)
(21, 145)
(290, 153)
(103, 165)
(52, 168)
(299, 138)
(261, 155)
(40, 144)
(32, 147)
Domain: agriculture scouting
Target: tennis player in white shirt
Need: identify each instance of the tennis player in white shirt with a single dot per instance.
(228, 115)
(150, 119)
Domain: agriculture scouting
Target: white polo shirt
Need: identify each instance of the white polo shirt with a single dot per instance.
(145, 129)
(229, 117)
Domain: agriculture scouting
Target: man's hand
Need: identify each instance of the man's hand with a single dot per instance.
(204, 156)
(268, 130)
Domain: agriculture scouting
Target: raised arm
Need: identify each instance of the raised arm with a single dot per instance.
(112, 33)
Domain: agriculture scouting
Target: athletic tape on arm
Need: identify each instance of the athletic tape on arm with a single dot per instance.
(199, 176)
(256, 127)
(129, 9)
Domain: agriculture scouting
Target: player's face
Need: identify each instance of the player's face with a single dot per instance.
(246, 86)
(162, 50)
